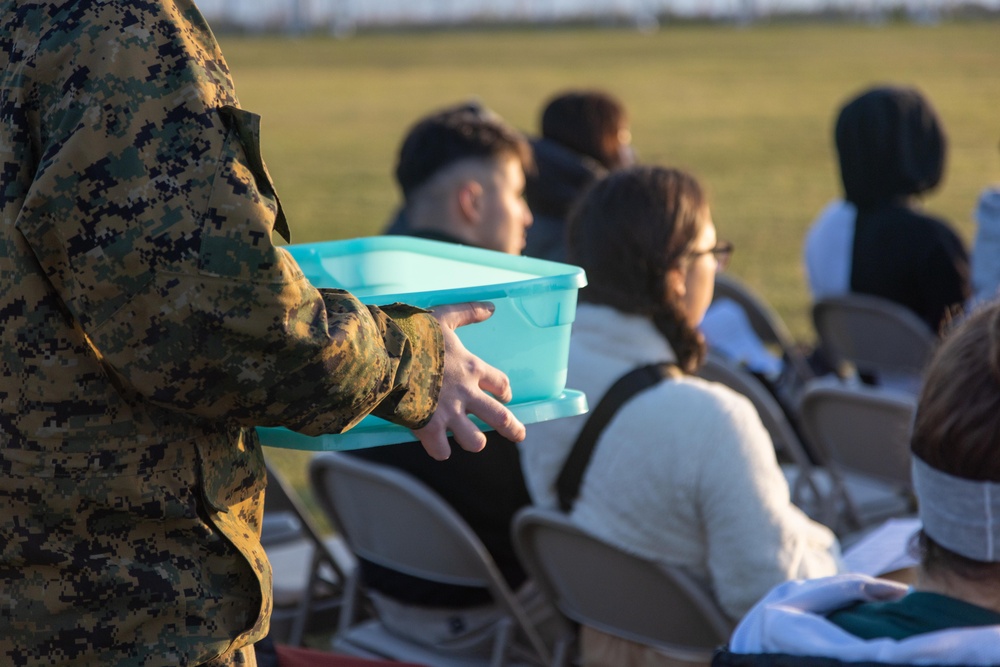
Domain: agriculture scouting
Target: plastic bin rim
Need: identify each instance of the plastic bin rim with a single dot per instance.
(554, 275)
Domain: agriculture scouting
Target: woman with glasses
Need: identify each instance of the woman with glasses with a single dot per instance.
(684, 473)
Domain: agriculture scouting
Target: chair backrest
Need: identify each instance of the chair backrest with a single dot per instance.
(873, 334)
(805, 491)
(764, 320)
(392, 519)
(601, 586)
(389, 518)
(861, 429)
(292, 520)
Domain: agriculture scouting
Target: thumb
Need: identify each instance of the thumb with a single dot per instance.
(456, 315)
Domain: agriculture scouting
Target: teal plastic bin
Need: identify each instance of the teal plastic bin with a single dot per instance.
(527, 336)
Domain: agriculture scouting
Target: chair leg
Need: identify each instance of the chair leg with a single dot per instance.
(560, 657)
(352, 600)
(305, 604)
(501, 643)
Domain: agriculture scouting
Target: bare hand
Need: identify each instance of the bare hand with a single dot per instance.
(467, 378)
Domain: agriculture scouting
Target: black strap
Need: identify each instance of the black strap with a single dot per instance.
(627, 386)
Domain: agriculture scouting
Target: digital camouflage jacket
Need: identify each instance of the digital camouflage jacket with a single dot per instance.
(148, 323)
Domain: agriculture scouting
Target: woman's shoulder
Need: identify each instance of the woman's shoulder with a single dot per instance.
(691, 398)
(712, 393)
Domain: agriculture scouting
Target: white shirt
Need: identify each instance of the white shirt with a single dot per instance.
(985, 260)
(829, 248)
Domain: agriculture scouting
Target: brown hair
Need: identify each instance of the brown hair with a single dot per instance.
(586, 122)
(957, 425)
(629, 230)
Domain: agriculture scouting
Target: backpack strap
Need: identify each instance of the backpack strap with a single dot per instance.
(627, 386)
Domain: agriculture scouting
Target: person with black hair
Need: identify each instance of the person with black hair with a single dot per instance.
(463, 176)
(399, 223)
(892, 148)
(951, 616)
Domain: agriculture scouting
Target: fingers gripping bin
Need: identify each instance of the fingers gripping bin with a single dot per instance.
(527, 336)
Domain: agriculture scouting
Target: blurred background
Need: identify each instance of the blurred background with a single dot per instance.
(342, 16)
(742, 93)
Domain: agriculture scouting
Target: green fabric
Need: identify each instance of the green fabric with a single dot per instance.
(914, 614)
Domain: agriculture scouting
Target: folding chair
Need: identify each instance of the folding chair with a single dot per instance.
(391, 519)
(868, 335)
(766, 323)
(603, 587)
(863, 432)
(314, 567)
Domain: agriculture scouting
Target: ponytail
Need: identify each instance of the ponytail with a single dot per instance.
(687, 342)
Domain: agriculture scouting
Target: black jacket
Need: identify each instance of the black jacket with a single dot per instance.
(560, 177)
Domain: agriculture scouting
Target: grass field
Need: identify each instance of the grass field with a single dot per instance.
(749, 110)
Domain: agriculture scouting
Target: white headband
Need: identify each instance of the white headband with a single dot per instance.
(962, 515)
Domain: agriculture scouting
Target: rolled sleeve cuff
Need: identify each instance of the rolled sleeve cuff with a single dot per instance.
(417, 339)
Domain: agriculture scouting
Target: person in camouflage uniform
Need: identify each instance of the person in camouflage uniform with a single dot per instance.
(148, 324)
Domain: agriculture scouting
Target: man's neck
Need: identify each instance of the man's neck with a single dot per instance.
(435, 235)
(980, 593)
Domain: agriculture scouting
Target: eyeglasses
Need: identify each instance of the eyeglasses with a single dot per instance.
(723, 252)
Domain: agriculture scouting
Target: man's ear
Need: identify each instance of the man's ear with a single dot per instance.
(470, 199)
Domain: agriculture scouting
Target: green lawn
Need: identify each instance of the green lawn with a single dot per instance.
(749, 110)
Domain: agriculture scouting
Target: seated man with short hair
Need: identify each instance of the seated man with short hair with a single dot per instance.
(462, 177)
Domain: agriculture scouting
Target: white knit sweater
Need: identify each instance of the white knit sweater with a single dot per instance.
(684, 474)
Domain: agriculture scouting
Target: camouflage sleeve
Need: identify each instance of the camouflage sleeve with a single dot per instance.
(424, 371)
(151, 213)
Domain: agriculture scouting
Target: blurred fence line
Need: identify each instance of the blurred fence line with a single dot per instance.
(344, 16)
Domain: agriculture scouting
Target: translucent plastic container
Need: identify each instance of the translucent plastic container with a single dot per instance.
(527, 336)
